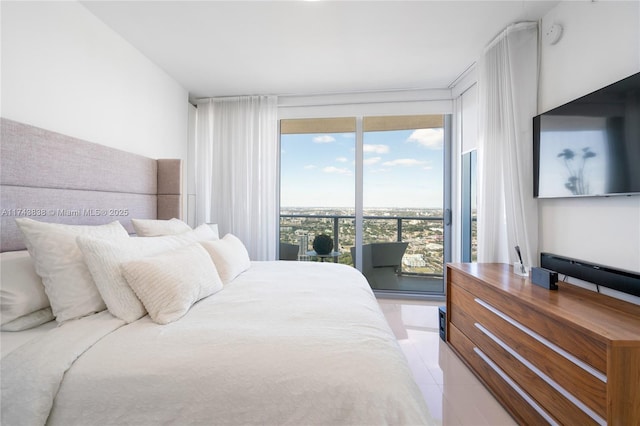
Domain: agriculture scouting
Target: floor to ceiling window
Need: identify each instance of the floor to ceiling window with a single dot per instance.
(403, 184)
(468, 134)
(401, 163)
(469, 208)
(317, 186)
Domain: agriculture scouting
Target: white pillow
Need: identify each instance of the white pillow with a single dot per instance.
(157, 228)
(214, 228)
(105, 257)
(170, 283)
(30, 320)
(229, 255)
(59, 262)
(21, 292)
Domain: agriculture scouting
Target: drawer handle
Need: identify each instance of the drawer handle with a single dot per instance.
(515, 386)
(586, 367)
(588, 411)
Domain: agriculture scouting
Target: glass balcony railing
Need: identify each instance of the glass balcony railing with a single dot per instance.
(425, 234)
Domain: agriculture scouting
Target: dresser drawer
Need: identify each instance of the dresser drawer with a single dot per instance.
(573, 340)
(587, 385)
(512, 397)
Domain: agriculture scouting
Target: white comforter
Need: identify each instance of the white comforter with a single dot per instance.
(285, 343)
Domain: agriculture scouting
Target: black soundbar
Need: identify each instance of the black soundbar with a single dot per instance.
(616, 279)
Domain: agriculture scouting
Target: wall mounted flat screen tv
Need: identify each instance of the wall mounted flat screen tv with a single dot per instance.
(590, 146)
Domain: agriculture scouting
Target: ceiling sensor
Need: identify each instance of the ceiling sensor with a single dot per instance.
(553, 34)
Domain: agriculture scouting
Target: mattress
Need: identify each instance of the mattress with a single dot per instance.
(284, 343)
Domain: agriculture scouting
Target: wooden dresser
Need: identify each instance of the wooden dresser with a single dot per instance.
(570, 356)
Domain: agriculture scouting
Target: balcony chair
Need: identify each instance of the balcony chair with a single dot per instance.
(381, 263)
(288, 251)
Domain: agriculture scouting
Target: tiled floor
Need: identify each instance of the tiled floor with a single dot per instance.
(453, 394)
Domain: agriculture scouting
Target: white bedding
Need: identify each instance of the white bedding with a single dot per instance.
(11, 340)
(284, 343)
(31, 374)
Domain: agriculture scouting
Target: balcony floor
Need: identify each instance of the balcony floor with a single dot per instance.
(433, 286)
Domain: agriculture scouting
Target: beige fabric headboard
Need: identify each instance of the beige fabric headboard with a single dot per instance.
(51, 177)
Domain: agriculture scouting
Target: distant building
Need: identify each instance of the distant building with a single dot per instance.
(413, 261)
(304, 246)
(434, 246)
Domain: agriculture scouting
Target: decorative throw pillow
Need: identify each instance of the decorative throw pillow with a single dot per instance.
(59, 262)
(104, 259)
(168, 284)
(157, 228)
(229, 255)
(22, 291)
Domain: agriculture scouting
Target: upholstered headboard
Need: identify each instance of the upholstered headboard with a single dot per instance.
(51, 177)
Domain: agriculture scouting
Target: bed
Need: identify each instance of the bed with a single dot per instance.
(224, 340)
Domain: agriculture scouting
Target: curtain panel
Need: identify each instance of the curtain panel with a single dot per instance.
(236, 170)
(508, 87)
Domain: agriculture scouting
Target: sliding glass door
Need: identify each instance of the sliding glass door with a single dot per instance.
(403, 202)
(394, 170)
(317, 187)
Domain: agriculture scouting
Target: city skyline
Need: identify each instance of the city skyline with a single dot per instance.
(422, 229)
(401, 168)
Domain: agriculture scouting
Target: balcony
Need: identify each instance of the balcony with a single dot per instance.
(422, 264)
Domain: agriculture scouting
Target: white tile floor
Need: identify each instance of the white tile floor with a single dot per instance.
(453, 394)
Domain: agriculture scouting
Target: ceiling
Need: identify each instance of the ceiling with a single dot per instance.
(229, 48)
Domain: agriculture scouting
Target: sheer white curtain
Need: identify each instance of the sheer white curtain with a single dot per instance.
(507, 82)
(236, 170)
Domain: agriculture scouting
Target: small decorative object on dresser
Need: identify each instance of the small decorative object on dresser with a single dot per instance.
(570, 356)
(544, 278)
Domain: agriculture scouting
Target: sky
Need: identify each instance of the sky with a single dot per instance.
(402, 168)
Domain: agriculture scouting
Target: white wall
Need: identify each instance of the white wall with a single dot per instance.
(66, 71)
(600, 45)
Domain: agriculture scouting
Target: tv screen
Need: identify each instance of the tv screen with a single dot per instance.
(590, 146)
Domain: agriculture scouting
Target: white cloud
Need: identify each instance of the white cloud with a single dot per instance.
(324, 139)
(342, 159)
(379, 170)
(310, 167)
(337, 170)
(429, 138)
(376, 149)
(406, 162)
(371, 161)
